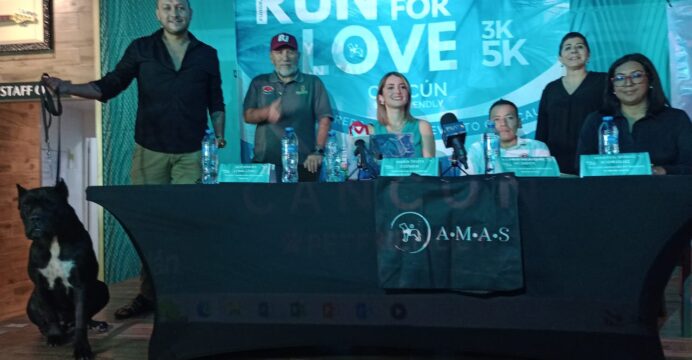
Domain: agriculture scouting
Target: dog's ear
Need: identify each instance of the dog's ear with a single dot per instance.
(20, 192)
(61, 188)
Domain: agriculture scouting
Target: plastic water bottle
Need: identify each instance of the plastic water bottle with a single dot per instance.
(289, 156)
(332, 159)
(491, 147)
(210, 158)
(343, 155)
(608, 137)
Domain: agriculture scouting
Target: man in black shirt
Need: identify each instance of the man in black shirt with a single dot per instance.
(178, 82)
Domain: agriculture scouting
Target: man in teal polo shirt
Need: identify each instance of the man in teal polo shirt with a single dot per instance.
(288, 98)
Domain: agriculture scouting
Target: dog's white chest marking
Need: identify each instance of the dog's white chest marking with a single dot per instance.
(56, 268)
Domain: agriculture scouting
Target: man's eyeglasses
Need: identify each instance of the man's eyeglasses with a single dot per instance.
(636, 77)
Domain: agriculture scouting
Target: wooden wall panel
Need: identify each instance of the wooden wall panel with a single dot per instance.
(19, 164)
(73, 57)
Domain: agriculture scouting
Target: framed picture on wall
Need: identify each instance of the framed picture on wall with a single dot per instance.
(26, 26)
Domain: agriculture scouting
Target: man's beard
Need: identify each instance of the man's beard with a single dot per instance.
(283, 72)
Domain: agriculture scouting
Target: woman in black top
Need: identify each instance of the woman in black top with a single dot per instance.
(567, 101)
(645, 120)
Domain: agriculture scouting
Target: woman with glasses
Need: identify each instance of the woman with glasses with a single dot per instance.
(643, 116)
(567, 101)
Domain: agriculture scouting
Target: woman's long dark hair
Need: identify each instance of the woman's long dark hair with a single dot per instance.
(655, 95)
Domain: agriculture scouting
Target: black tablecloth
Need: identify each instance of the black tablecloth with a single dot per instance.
(241, 267)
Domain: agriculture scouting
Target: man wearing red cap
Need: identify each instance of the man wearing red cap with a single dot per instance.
(288, 98)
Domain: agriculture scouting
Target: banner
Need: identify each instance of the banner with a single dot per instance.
(459, 56)
(680, 47)
(461, 234)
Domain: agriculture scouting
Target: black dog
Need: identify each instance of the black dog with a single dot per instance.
(63, 268)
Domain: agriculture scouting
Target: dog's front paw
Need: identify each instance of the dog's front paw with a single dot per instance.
(54, 340)
(82, 351)
(54, 336)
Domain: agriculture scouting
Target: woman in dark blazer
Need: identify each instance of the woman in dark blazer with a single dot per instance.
(645, 120)
(567, 101)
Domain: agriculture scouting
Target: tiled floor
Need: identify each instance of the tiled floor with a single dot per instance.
(674, 345)
(128, 340)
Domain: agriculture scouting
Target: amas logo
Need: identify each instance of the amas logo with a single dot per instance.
(413, 233)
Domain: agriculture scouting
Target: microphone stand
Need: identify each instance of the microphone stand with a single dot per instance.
(485, 153)
(363, 165)
(456, 164)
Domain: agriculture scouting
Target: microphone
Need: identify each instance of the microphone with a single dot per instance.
(360, 137)
(361, 152)
(454, 136)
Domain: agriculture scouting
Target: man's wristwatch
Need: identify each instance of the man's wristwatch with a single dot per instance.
(318, 151)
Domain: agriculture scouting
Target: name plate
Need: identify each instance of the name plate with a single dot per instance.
(531, 166)
(247, 173)
(615, 165)
(408, 166)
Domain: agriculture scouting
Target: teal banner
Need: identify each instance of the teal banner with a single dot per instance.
(459, 56)
(680, 39)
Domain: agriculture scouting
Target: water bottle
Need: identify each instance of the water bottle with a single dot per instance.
(332, 159)
(491, 147)
(289, 156)
(210, 158)
(608, 137)
(343, 155)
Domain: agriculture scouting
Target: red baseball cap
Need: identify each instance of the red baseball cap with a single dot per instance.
(284, 39)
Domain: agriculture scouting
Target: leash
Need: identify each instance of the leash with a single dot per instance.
(50, 108)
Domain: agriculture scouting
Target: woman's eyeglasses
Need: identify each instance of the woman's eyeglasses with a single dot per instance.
(636, 77)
